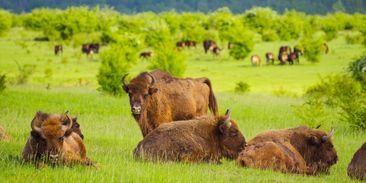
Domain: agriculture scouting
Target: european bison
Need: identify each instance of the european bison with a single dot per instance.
(295, 55)
(205, 139)
(58, 49)
(283, 54)
(146, 54)
(55, 137)
(270, 57)
(209, 45)
(90, 48)
(180, 44)
(255, 60)
(299, 150)
(325, 48)
(157, 97)
(189, 43)
(357, 166)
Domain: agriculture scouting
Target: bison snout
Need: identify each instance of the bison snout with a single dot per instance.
(136, 109)
(54, 156)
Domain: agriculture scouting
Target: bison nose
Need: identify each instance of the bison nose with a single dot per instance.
(54, 156)
(136, 109)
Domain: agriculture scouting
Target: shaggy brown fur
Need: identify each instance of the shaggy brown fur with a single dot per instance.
(297, 150)
(164, 98)
(205, 139)
(3, 135)
(357, 166)
(53, 138)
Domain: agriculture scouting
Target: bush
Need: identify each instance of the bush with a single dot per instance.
(5, 21)
(313, 47)
(2, 82)
(242, 87)
(340, 93)
(358, 70)
(169, 59)
(354, 38)
(243, 42)
(116, 61)
(25, 71)
(269, 35)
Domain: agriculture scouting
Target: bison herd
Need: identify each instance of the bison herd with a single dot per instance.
(172, 114)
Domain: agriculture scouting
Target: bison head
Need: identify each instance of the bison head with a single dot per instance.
(50, 131)
(231, 139)
(139, 90)
(316, 147)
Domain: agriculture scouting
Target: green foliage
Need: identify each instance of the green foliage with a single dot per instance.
(358, 70)
(5, 21)
(313, 47)
(116, 61)
(2, 82)
(290, 25)
(312, 112)
(243, 42)
(168, 58)
(340, 93)
(354, 38)
(330, 29)
(242, 87)
(156, 32)
(25, 71)
(269, 35)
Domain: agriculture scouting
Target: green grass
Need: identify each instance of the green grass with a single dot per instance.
(111, 133)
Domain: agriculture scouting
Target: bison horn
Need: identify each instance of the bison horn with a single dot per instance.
(327, 137)
(152, 79)
(227, 118)
(123, 79)
(37, 122)
(67, 124)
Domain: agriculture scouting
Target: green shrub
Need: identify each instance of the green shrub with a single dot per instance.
(2, 82)
(313, 47)
(358, 70)
(242, 87)
(169, 59)
(243, 42)
(5, 21)
(354, 38)
(25, 71)
(340, 93)
(116, 61)
(269, 35)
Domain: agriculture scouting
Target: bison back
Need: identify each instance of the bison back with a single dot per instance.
(357, 167)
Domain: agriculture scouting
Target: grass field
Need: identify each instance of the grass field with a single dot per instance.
(111, 133)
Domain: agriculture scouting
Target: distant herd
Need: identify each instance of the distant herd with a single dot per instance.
(172, 114)
(285, 53)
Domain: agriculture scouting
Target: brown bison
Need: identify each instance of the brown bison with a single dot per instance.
(56, 138)
(157, 97)
(58, 49)
(209, 45)
(189, 43)
(283, 54)
(180, 44)
(299, 150)
(204, 139)
(255, 60)
(357, 166)
(146, 54)
(270, 58)
(90, 48)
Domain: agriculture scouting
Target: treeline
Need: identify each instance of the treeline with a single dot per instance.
(135, 6)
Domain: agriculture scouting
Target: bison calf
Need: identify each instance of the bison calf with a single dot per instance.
(299, 150)
(357, 166)
(56, 138)
(205, 139)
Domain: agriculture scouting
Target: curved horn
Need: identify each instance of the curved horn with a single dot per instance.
(123, 79)
(327, 137)
(68, 125)
(152, 79)
(227, 118)
(37, 122)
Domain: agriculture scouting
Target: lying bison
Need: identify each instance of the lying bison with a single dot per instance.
(205, 139)
(56, 138)
(157, 97)
(299, 150)
(357, 166)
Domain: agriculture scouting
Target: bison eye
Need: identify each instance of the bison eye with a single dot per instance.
(61, 139)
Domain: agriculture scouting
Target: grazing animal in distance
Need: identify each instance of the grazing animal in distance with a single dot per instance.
(157, 97)
(270, 58)
(283, 54)
(189, 43)
(180, 44)
(300, 150)
(209, 45)
(90, 48)
(146, 54)
(58, 49)
(255, 60)
(216, 50)
(325, 48)
(53, 138)
(204, 139)
(357, 167)
(295, 55)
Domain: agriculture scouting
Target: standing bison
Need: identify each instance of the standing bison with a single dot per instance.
(157, 97)
(56, 138)
(357, 166)
(299, 150)
(205, 139)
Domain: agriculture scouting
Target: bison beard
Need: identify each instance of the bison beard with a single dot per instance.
(205, 139)
(298, 150)
(157, 98)
(357, 166)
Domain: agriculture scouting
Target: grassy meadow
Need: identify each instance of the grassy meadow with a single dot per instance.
(111, 133)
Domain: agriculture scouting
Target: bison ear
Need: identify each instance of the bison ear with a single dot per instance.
(125, 88)
(152, 90)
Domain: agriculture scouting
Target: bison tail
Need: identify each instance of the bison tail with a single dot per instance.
(212, 103)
